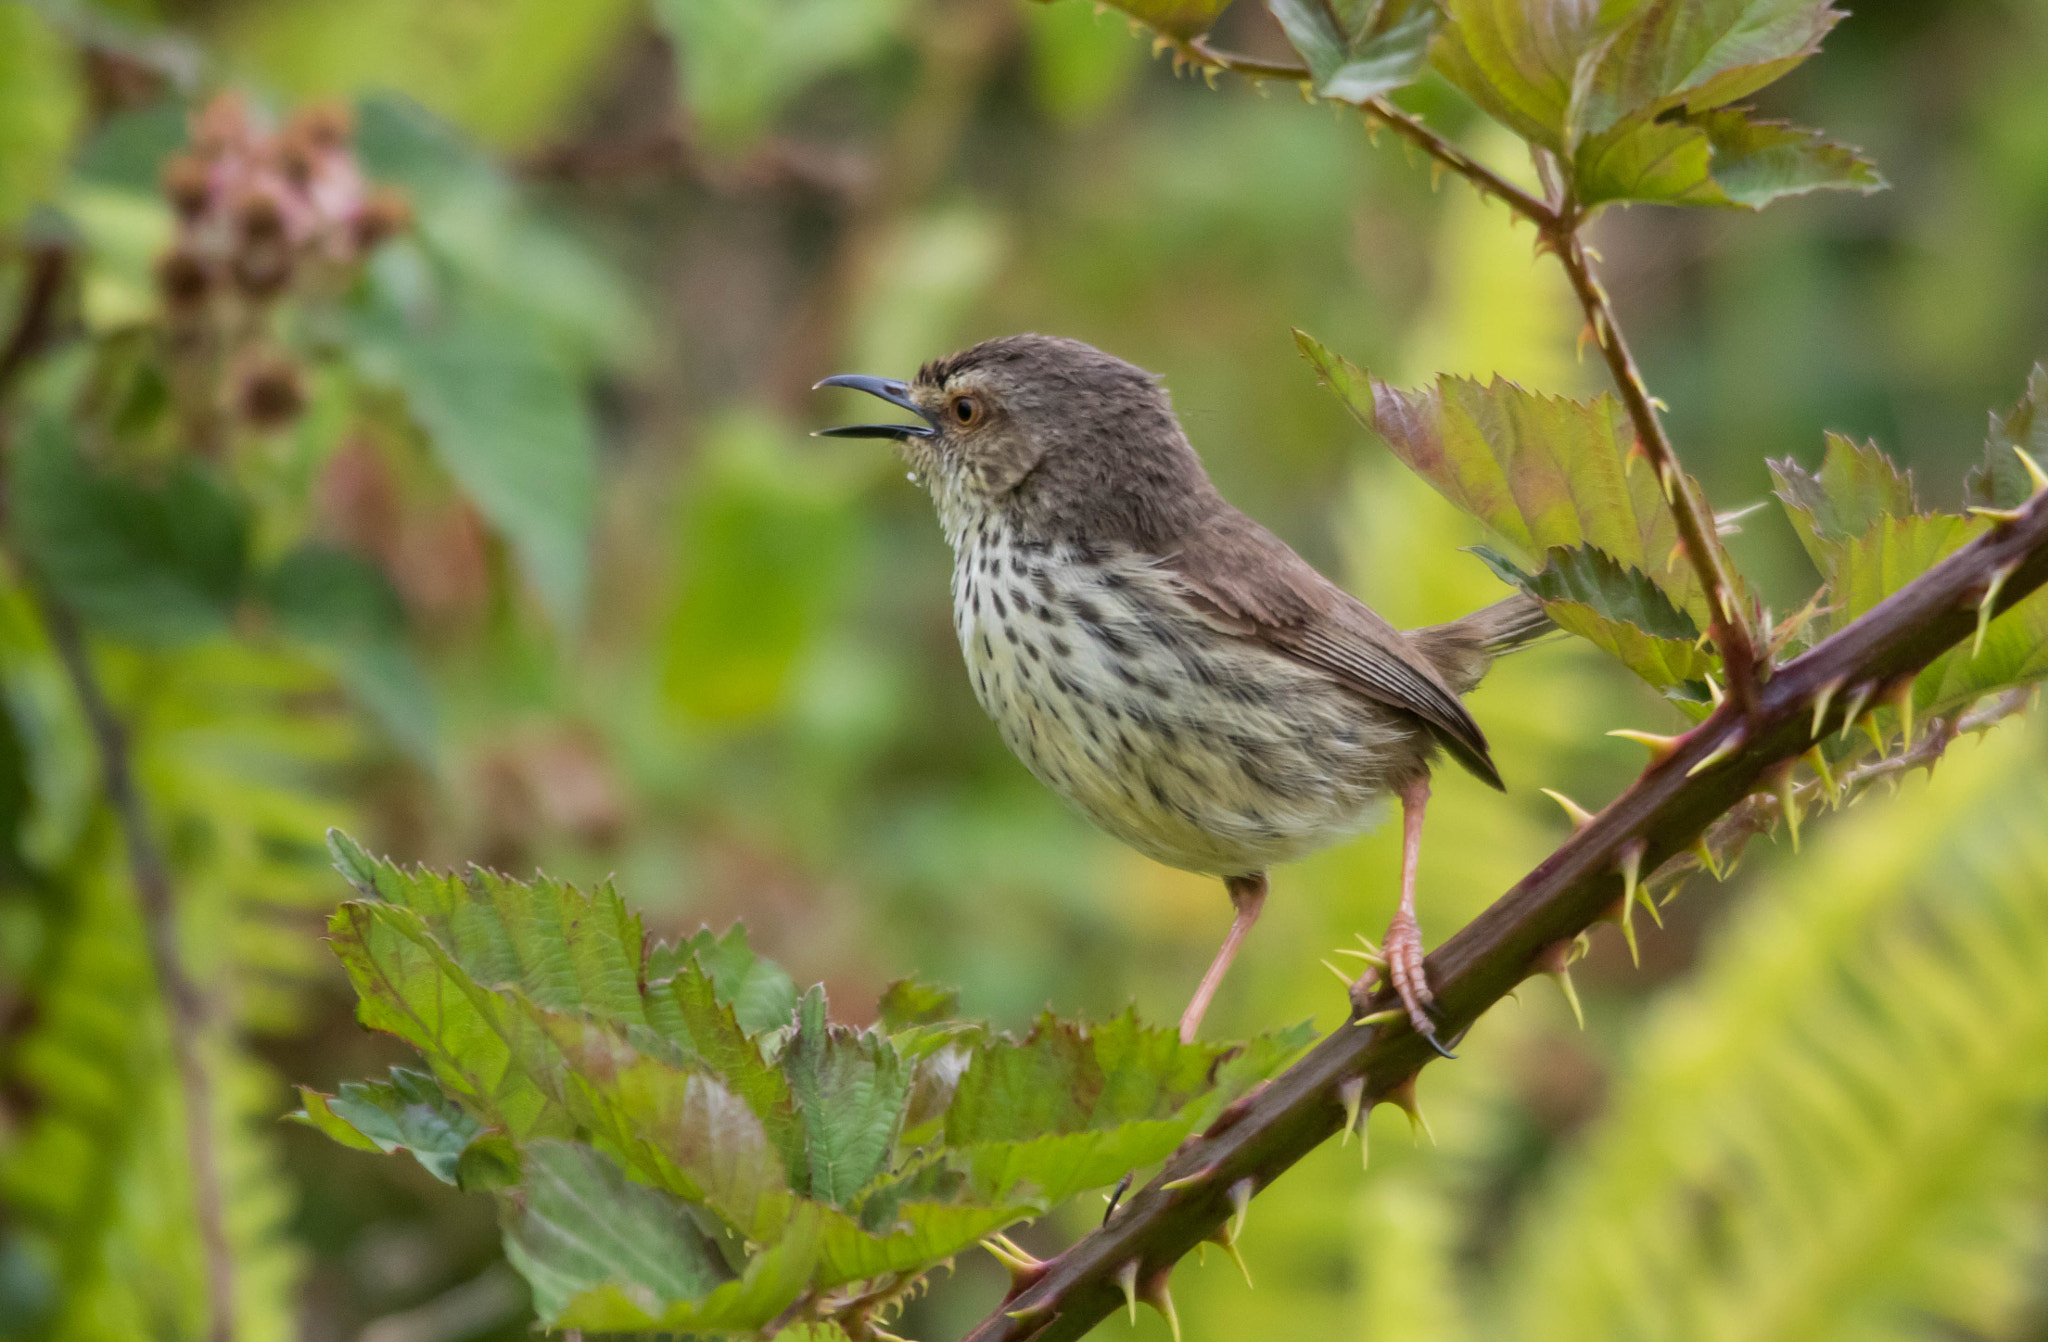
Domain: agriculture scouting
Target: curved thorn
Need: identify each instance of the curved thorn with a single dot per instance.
(1577, 814)
(1157, 1295)
(1622, 912)
(1222, 1238)
(1822, 700)
(1189, 1180)
(1342, 977)
(1705, 854)
(1817, 759)
(1403, 1095)
(1350, 1093)
(1902, 704)
(1661, 748)
(1991, 590)
(1858, 697)
(2034, 471)
(1127, 1277)
(1240, 1195)
(1788, 803)
(2001, 516)
(1726, 749)
(1382, 1017)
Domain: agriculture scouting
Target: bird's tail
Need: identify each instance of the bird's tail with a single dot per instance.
(1507, 625)
(1464, 648)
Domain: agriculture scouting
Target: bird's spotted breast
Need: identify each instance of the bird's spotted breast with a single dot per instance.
(1204, 750)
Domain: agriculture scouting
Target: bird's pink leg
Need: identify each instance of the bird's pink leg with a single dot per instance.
(1404, 935)
(1247, 896)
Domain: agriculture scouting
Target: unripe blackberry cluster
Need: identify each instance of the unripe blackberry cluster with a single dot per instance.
(262, 214)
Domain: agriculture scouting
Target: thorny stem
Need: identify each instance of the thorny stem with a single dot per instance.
(1660, 815)
(1559, 224)
(1696, 530)
(184, 1006)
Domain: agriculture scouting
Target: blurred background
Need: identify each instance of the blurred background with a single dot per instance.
(677, 642)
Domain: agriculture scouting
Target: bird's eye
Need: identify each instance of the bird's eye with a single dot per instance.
(967, 410)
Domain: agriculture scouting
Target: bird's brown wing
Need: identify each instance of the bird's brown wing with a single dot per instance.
(1249, 581)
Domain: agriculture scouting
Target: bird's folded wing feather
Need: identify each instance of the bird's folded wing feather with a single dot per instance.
(1251, 583)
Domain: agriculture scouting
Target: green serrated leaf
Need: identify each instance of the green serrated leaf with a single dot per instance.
(409, 1112)
(1539, 471)
(1618, 610)
(158, 562)
(917, 1236)
(590, 1242)
(850, 1089)
(1855, 487)
(760, 993)
(719, 1041)
(2002, 481)
(1715, 158)
(1072, 1106)
(564, 948)
(1385, 51)
(1519, 59)
(356, 865)
(675, 1126)
(482, 1049)
(908, 1002)
(1694, 54)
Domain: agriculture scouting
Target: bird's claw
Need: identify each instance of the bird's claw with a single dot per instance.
(1404, 965)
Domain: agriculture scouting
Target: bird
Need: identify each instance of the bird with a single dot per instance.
(1168, 666)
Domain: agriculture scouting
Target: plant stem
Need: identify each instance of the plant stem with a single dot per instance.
(184, 1006)
(1711, 771)
(1696, 530)
(1560, 226)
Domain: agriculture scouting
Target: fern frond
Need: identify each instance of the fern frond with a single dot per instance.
(1834, 1132)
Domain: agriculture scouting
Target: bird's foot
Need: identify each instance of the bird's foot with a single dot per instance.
(1404, 966)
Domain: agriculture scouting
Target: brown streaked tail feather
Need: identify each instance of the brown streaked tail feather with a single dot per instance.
(1463, 649)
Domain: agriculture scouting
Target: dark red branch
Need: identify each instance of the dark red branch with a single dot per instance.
(1665, 810)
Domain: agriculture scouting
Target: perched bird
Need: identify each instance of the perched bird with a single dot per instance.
(1160, 660)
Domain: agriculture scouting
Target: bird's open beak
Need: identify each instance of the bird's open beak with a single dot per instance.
(894, 392)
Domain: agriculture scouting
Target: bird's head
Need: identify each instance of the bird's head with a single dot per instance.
(1053, 434)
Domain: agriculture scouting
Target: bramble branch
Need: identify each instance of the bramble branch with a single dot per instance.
(1559, 224)
(1696, 531)
(1704, 775)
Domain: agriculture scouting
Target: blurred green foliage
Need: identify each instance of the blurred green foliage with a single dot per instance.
(545, 572)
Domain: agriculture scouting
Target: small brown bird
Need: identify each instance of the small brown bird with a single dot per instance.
(1157, 658)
